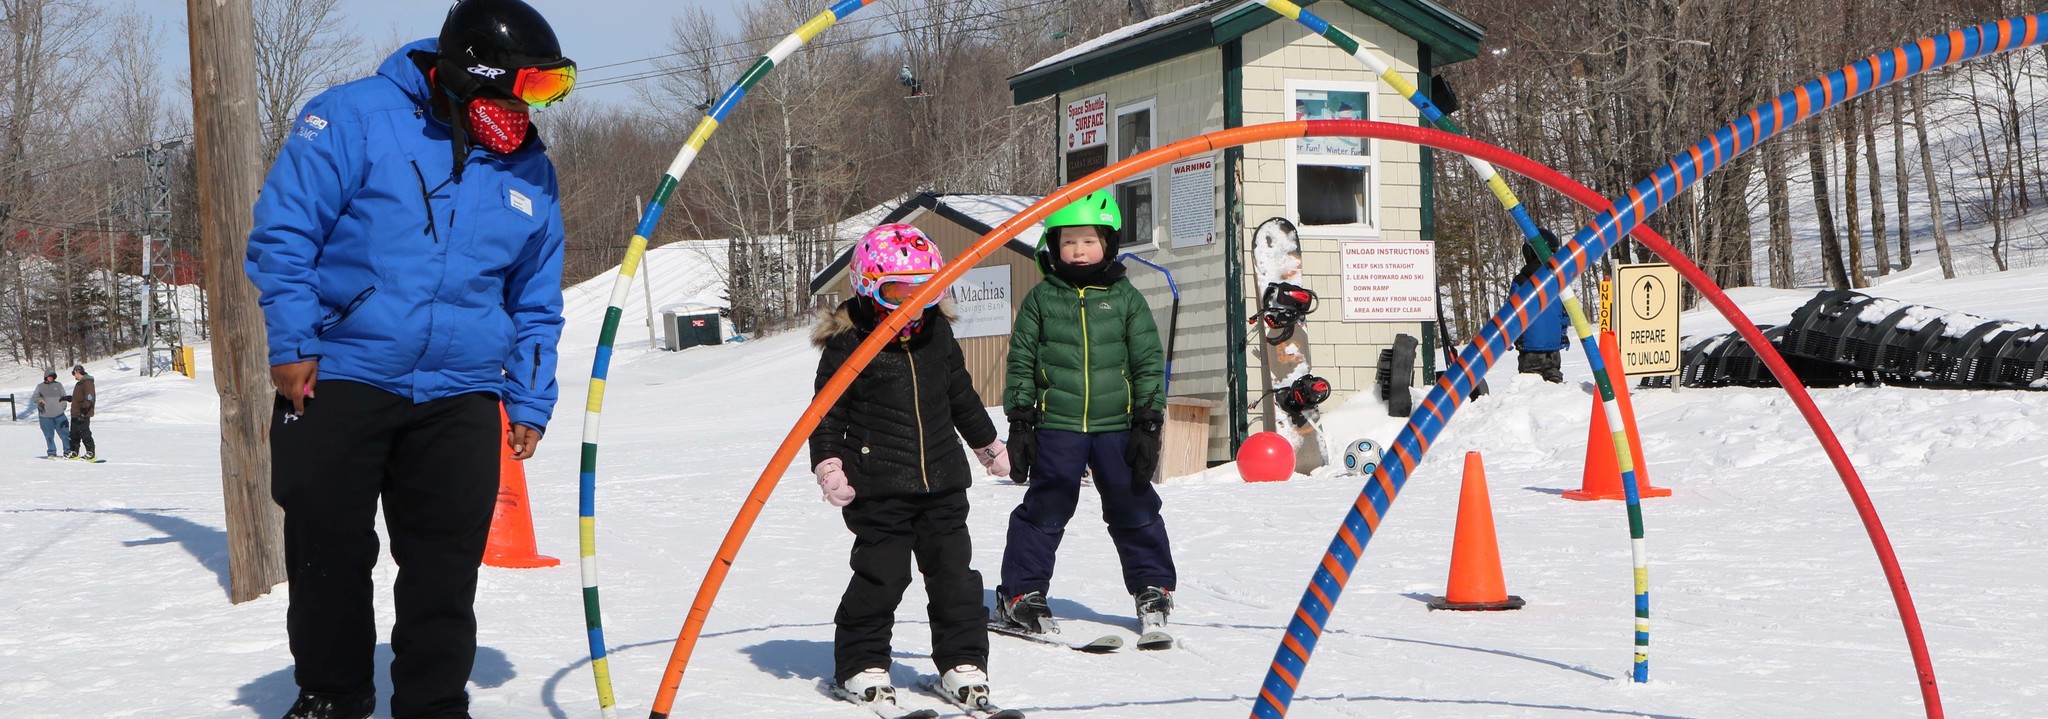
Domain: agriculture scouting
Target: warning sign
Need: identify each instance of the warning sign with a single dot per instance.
(1645, 315)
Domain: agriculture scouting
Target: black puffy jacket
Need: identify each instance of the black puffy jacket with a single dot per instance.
(895, 428)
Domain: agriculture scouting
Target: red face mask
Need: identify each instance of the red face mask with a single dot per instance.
(496, 128)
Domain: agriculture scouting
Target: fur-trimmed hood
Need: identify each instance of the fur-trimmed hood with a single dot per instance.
(839, 321)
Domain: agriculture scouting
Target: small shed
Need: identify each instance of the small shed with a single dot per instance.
(985, 297)
(692, 324)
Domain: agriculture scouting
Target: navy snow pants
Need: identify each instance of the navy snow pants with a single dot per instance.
(1130, 507)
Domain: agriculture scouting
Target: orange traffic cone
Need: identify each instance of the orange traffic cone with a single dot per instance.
(1476, 583)
(511, 545)
(1602, 479)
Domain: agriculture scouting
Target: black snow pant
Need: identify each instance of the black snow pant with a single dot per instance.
(1130, 507)
(1538, 362)
(887, 533)
(81, 436)
(435, 466)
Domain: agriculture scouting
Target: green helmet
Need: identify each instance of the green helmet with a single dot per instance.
(1098, 208)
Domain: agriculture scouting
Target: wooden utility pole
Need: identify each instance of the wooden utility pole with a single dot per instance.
(228, 150)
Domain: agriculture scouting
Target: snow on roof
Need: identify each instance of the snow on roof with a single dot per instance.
(989, 210)
(994, 210)
(848, 231)
(1122, 34)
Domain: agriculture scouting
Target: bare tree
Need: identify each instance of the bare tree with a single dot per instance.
(1901, 178)
(1941, 248)
(301, 46)
(47, 52)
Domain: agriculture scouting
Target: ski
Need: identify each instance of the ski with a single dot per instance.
(1105, 644)
(1155, 640)
(1152, 634)
(984, 708)
(885, 709)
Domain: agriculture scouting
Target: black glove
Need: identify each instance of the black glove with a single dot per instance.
(1023, 442)
(1143, 452)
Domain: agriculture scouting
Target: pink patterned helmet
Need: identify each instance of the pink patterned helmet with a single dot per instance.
(891, 261)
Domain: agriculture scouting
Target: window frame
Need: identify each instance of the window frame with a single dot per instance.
(1294, 158)
(1149, 106)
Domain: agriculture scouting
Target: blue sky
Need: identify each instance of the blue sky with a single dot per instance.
(594, 32)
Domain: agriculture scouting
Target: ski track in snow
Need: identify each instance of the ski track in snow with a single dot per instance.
(1766, 599)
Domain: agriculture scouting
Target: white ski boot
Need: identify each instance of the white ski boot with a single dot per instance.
(966, 685)
(1154, 605)
(870, 686)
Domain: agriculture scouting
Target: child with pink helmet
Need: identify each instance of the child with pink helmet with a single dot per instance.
(889, 454)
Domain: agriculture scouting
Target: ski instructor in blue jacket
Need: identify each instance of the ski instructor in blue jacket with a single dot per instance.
(408, 250)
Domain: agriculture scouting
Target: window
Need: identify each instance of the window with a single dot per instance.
(1134, 135)
(1332, 182)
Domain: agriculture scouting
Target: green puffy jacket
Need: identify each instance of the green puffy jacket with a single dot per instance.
(1085, 357)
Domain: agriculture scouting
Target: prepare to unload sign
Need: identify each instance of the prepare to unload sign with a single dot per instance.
(1087, 122)
(1389, 281)
(1646, 307)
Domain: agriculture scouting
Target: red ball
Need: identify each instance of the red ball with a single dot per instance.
(1265, 457)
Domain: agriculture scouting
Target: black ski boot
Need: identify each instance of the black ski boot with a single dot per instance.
(1027, 611)
(329, 706)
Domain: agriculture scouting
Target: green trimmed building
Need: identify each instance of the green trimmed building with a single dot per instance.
(1231, 63)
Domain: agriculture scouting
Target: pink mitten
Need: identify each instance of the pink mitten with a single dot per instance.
(832, 478)
(995, 458)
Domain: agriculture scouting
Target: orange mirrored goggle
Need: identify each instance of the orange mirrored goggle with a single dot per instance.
(895, 288)
(540, 87)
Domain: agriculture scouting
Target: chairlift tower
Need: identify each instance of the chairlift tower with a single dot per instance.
(162, 332)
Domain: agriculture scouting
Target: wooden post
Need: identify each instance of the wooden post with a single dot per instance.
(227, 150)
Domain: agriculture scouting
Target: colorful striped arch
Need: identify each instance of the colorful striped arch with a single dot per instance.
(636, 249)
(1643, 200)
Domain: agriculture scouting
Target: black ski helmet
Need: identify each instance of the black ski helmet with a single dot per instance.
(484, 43)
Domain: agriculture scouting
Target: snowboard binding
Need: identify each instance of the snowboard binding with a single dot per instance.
(1303, 396)
(1282, 308)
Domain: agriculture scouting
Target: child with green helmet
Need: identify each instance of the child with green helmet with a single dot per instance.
(1085, 390)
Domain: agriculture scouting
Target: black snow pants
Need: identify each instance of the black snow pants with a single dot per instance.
(81, 437)
(435, 467)
(1548, 364)
(887, 533)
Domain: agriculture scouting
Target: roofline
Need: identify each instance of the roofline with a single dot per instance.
(926, 201)
(1452, 38)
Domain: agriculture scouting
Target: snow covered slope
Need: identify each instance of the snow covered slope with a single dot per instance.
(1766, 599)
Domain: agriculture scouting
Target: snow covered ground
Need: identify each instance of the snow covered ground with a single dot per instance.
(1767, 599)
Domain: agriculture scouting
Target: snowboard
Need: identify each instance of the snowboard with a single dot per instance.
(1283, 338)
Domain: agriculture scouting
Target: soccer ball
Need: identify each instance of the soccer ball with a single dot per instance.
(1361, 457)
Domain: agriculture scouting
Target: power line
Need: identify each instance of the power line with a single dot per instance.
(735, 43)
(651, 74)
(606, 82)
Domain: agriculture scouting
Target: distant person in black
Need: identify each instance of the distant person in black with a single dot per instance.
(82, 405)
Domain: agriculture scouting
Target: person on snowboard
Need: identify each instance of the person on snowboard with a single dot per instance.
(407, 249)
(1537, 349)
(83, 402)
(1085, 391)
(886, 454)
